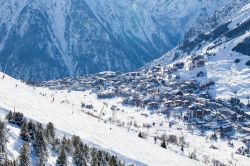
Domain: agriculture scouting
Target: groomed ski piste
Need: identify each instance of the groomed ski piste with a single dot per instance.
(43, 105)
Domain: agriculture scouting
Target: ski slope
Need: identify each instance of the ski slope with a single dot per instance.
(37, 104)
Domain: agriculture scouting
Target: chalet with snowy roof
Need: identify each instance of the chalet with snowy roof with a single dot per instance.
(172, 69)
(188, 86)
(153, 105)
(197, 113)
(177, 103)
(189, 96)
(200, 100)
(221, 120)
(173, 84)
(197, 110)
(204, 95)
(168, 103)
(186, 103)
(199, 63)
(124, 91)
(135, 100)
(158, 69)
(206, 84)
(196, 61)
(134, 74)
(86, 85)
(179, 65)
(177, 97)
(226, 128)
(107, 74)
(105, 94)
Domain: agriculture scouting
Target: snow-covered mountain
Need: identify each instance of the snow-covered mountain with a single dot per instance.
(44, 39)
(226, 54)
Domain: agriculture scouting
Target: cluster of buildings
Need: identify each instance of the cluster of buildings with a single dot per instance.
(161, 89)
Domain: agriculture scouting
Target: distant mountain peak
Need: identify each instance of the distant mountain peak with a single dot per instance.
(41, 40)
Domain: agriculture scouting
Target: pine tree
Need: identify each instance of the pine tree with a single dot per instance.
(56, 145)
(40, 142)
(62, 158)
(182, 148)
(163, 144)
(106, 156)
(18, 118)
(10, 163)
(3, 137)
(39, 126)
(69, 146)
(40, 147)
(94, 161)
(24, 157)
(66, 143)
(50, 132)
(78, 151)
(121, 164)
(91, 156)
(100, 158)
(85, 150)
(25, 131)
(113, 161)
(97, 159)
(4, 161)
(76, 140)
(32, 129)
(9, 116)
(78, 157)
(13, 163)
(140, 135)
(42, 158)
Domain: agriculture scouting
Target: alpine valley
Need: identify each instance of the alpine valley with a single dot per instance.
(48, 39)
(115, 82)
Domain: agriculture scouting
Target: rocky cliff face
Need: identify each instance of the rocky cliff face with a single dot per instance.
(47, 39)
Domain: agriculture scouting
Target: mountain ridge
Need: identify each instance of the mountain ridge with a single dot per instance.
(70, 37)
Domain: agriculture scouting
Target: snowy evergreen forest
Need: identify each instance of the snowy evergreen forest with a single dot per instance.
(38, 139)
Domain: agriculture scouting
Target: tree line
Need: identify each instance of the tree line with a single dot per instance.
(38, 139)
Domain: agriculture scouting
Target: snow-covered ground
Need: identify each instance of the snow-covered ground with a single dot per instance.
(231, 79)
(69, 118)
(14, 143)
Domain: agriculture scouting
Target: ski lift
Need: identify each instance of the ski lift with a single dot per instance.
(105, 104)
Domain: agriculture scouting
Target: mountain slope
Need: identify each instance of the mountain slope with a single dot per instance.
(36, 104)
(226, 54)
(41, 40)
